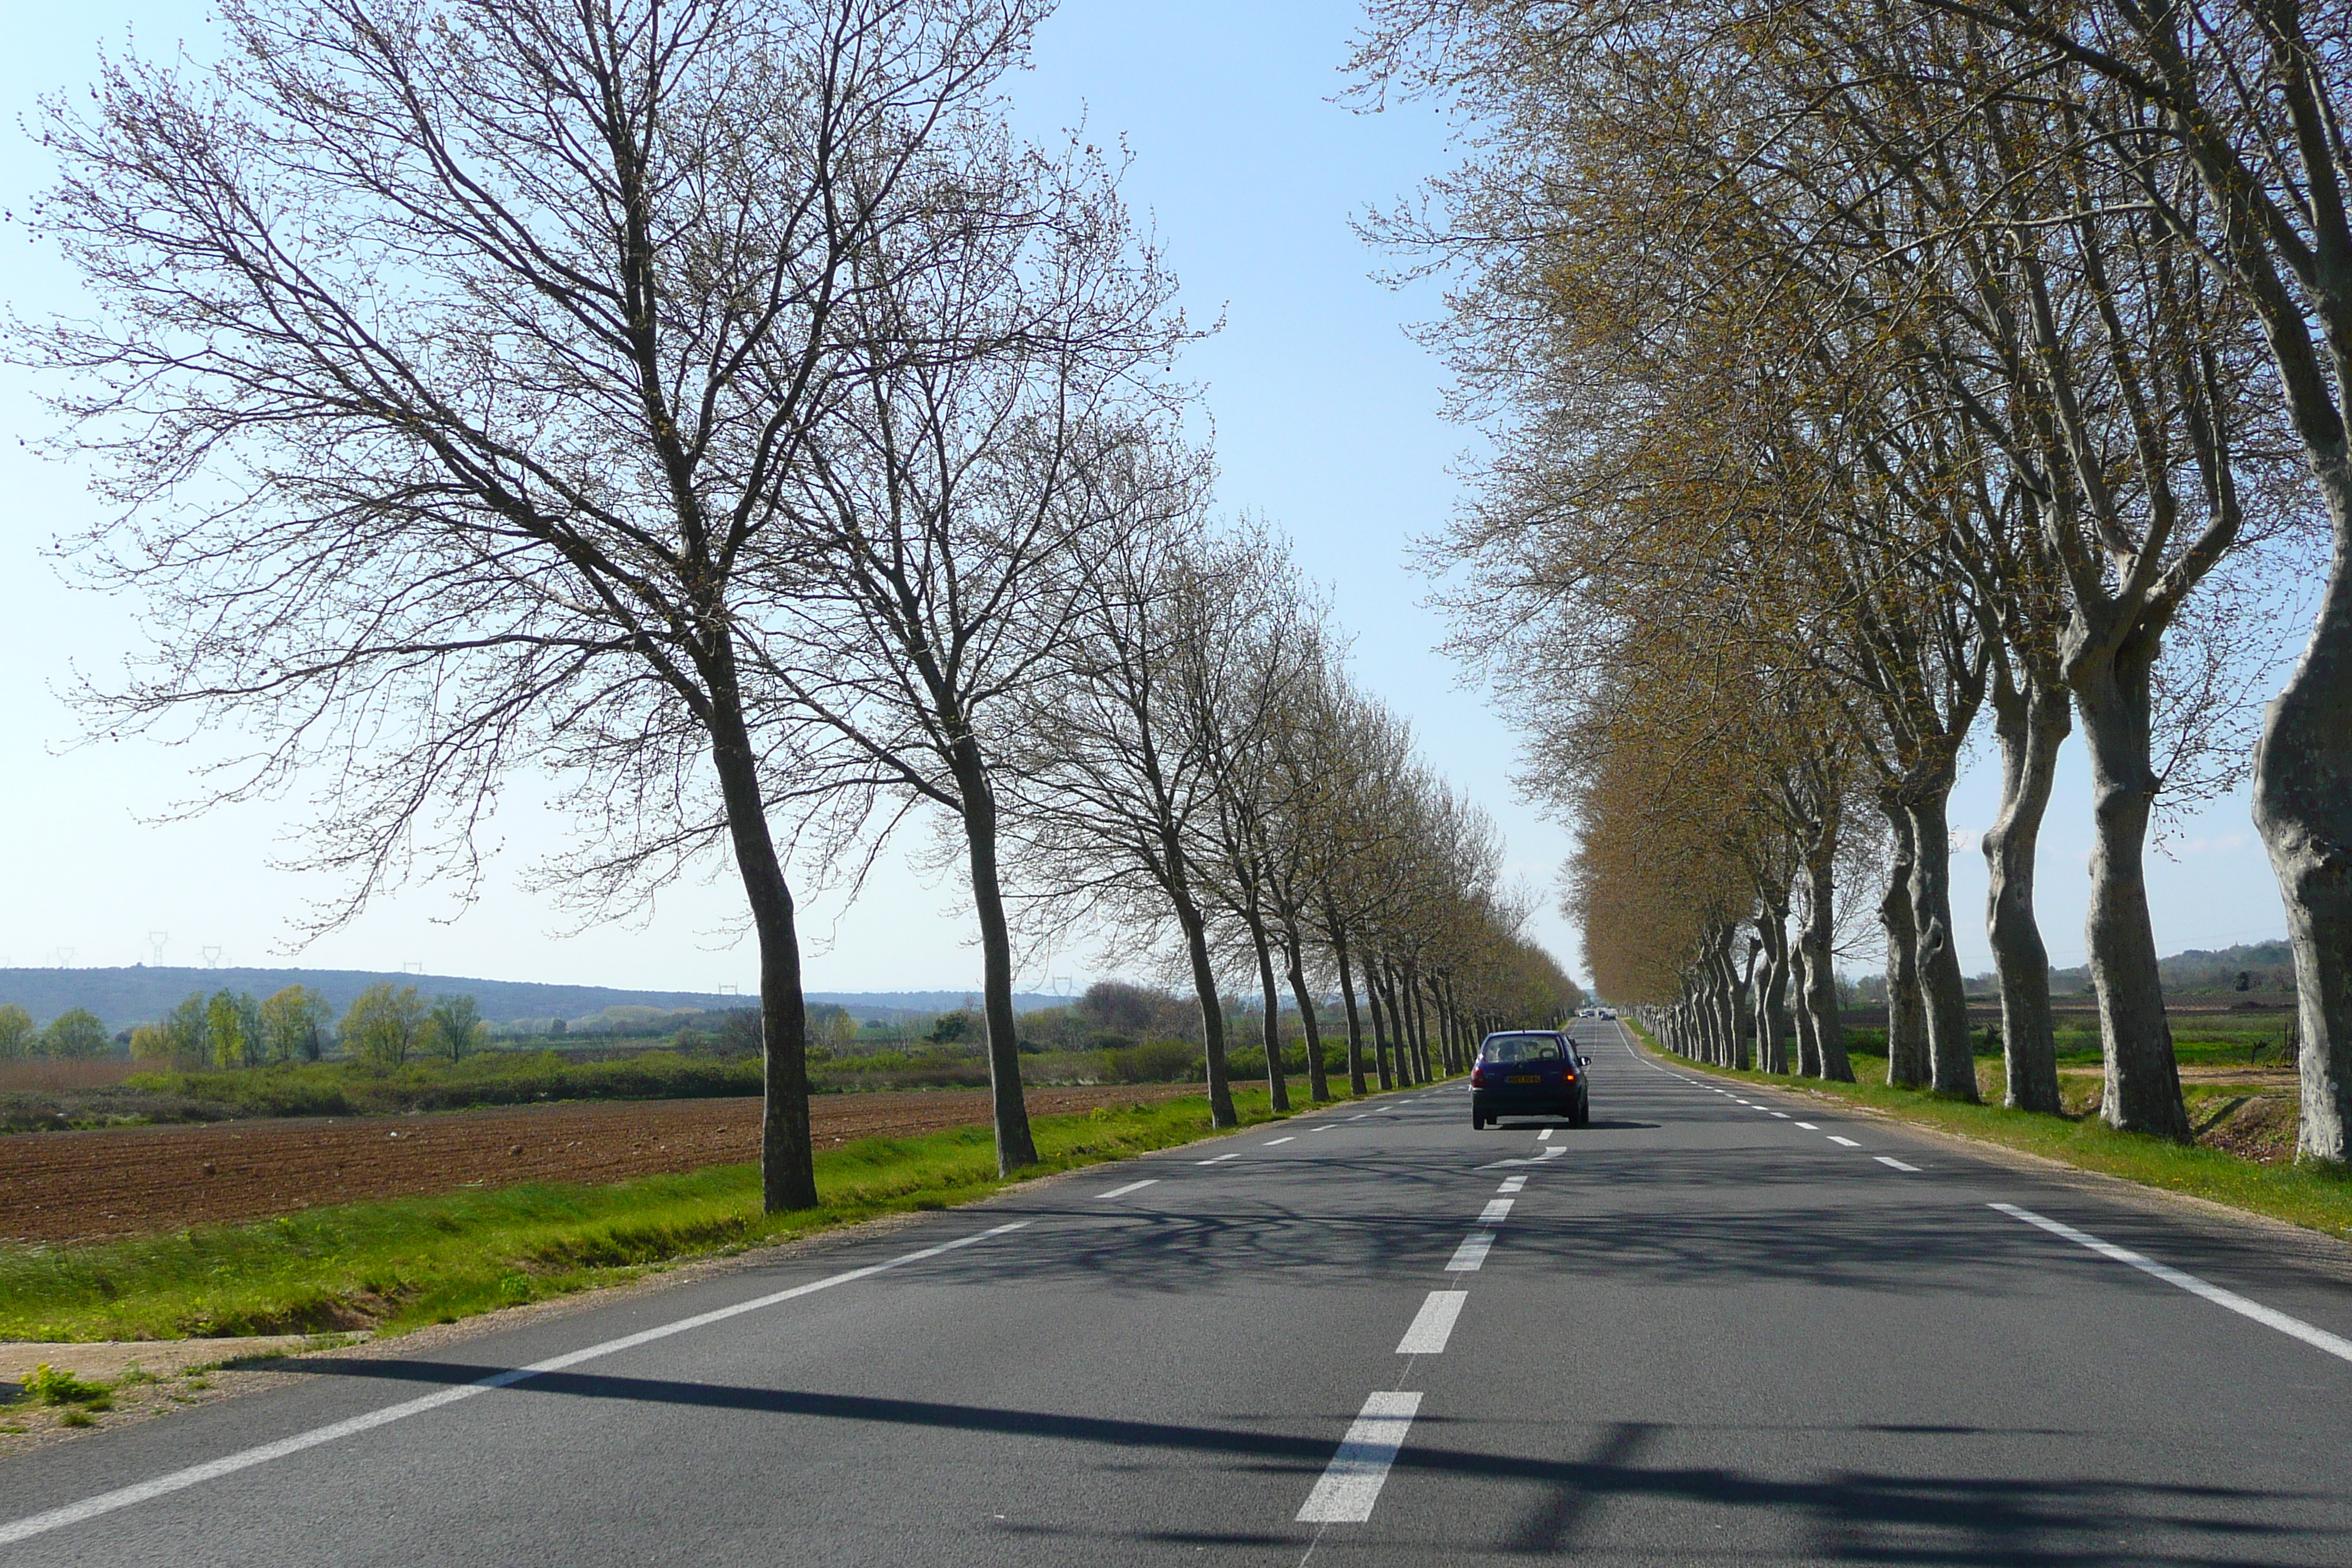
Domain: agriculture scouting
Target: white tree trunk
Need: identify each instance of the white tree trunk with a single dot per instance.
(1906, 1017)
(2031, 726)
(2143, 1078)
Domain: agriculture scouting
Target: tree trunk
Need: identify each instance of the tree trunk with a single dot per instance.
(1195, 927)
(1743, 1010)
(1391, 1045)
(787, 1160)
(1356, 1085)
(2303, 809)
(1809, 1038)
(1818, 945)
(1951, 1054)
(2031, 726)
(2143, 1078)
(1772, 1026)
(1440, 1035)
(1277, 1084)
(1449, 1019)
(1707, 1000)
(1907, 1021)
(1014, 1146)
(1319, 1080)
(1380, 1028)
(1402, 1026)
(1457, 1027)
(1730, 1004)
(1420, 1010)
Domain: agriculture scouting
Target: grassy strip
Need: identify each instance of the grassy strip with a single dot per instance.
(404, 1263)
(2317, 1198)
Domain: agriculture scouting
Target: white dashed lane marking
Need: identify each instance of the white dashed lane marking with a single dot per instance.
(1131, 1187)
(1468, 1257)
(1433, 1324)
(1496, 1210)
(1847, 1142)
(1886, 1160)
(1351, 1483)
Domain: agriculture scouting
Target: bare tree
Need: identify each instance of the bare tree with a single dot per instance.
(1119, 775)
(452, 360)
(948, 521)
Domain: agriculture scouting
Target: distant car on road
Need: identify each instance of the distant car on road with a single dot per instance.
(1529, 1072)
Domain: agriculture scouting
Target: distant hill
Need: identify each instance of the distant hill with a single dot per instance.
(883, 1004)
(142, 993)
(2267, 966)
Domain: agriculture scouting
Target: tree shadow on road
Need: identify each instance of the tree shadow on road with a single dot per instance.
(1851, 1516)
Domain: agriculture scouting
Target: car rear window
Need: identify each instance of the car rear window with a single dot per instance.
(1510, 1048)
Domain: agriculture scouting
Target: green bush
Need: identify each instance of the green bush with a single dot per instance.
(1154, 1061)
(47, 1386)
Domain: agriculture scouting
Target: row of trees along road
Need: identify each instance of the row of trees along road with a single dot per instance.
(714, 407)
(1867, 375)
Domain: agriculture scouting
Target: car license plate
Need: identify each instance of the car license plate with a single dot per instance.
(1524, 1077)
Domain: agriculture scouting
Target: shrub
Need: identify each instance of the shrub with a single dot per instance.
(1154, 1061)
(50, 1386)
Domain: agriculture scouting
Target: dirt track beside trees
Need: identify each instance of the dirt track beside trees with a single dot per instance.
(81, 1186)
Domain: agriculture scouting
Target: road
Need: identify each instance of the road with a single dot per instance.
(1713, 1326)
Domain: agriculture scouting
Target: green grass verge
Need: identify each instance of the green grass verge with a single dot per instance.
(402, 1264)
(2318, 1197)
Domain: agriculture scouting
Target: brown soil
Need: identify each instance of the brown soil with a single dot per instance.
(81, 1186)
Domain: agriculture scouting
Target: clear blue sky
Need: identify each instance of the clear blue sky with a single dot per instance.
(1327, 423)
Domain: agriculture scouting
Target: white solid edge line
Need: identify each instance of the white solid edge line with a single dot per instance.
(1889, 1160)
(1496, 1210)
(1131, 1187)
(1433, 1324)
(2271, 1317)
(230, 1464)
(1471, 1254)
(1351, 1483)
(1847, 1142)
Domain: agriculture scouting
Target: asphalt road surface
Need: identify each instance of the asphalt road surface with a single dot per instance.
(1714, 1326)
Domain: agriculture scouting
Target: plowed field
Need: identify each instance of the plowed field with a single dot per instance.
(80, 1186)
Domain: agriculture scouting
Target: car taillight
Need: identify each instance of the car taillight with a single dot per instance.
(1568, 1075)
(1477, 1077)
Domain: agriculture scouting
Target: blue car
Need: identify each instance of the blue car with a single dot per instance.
(1529, 1073)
